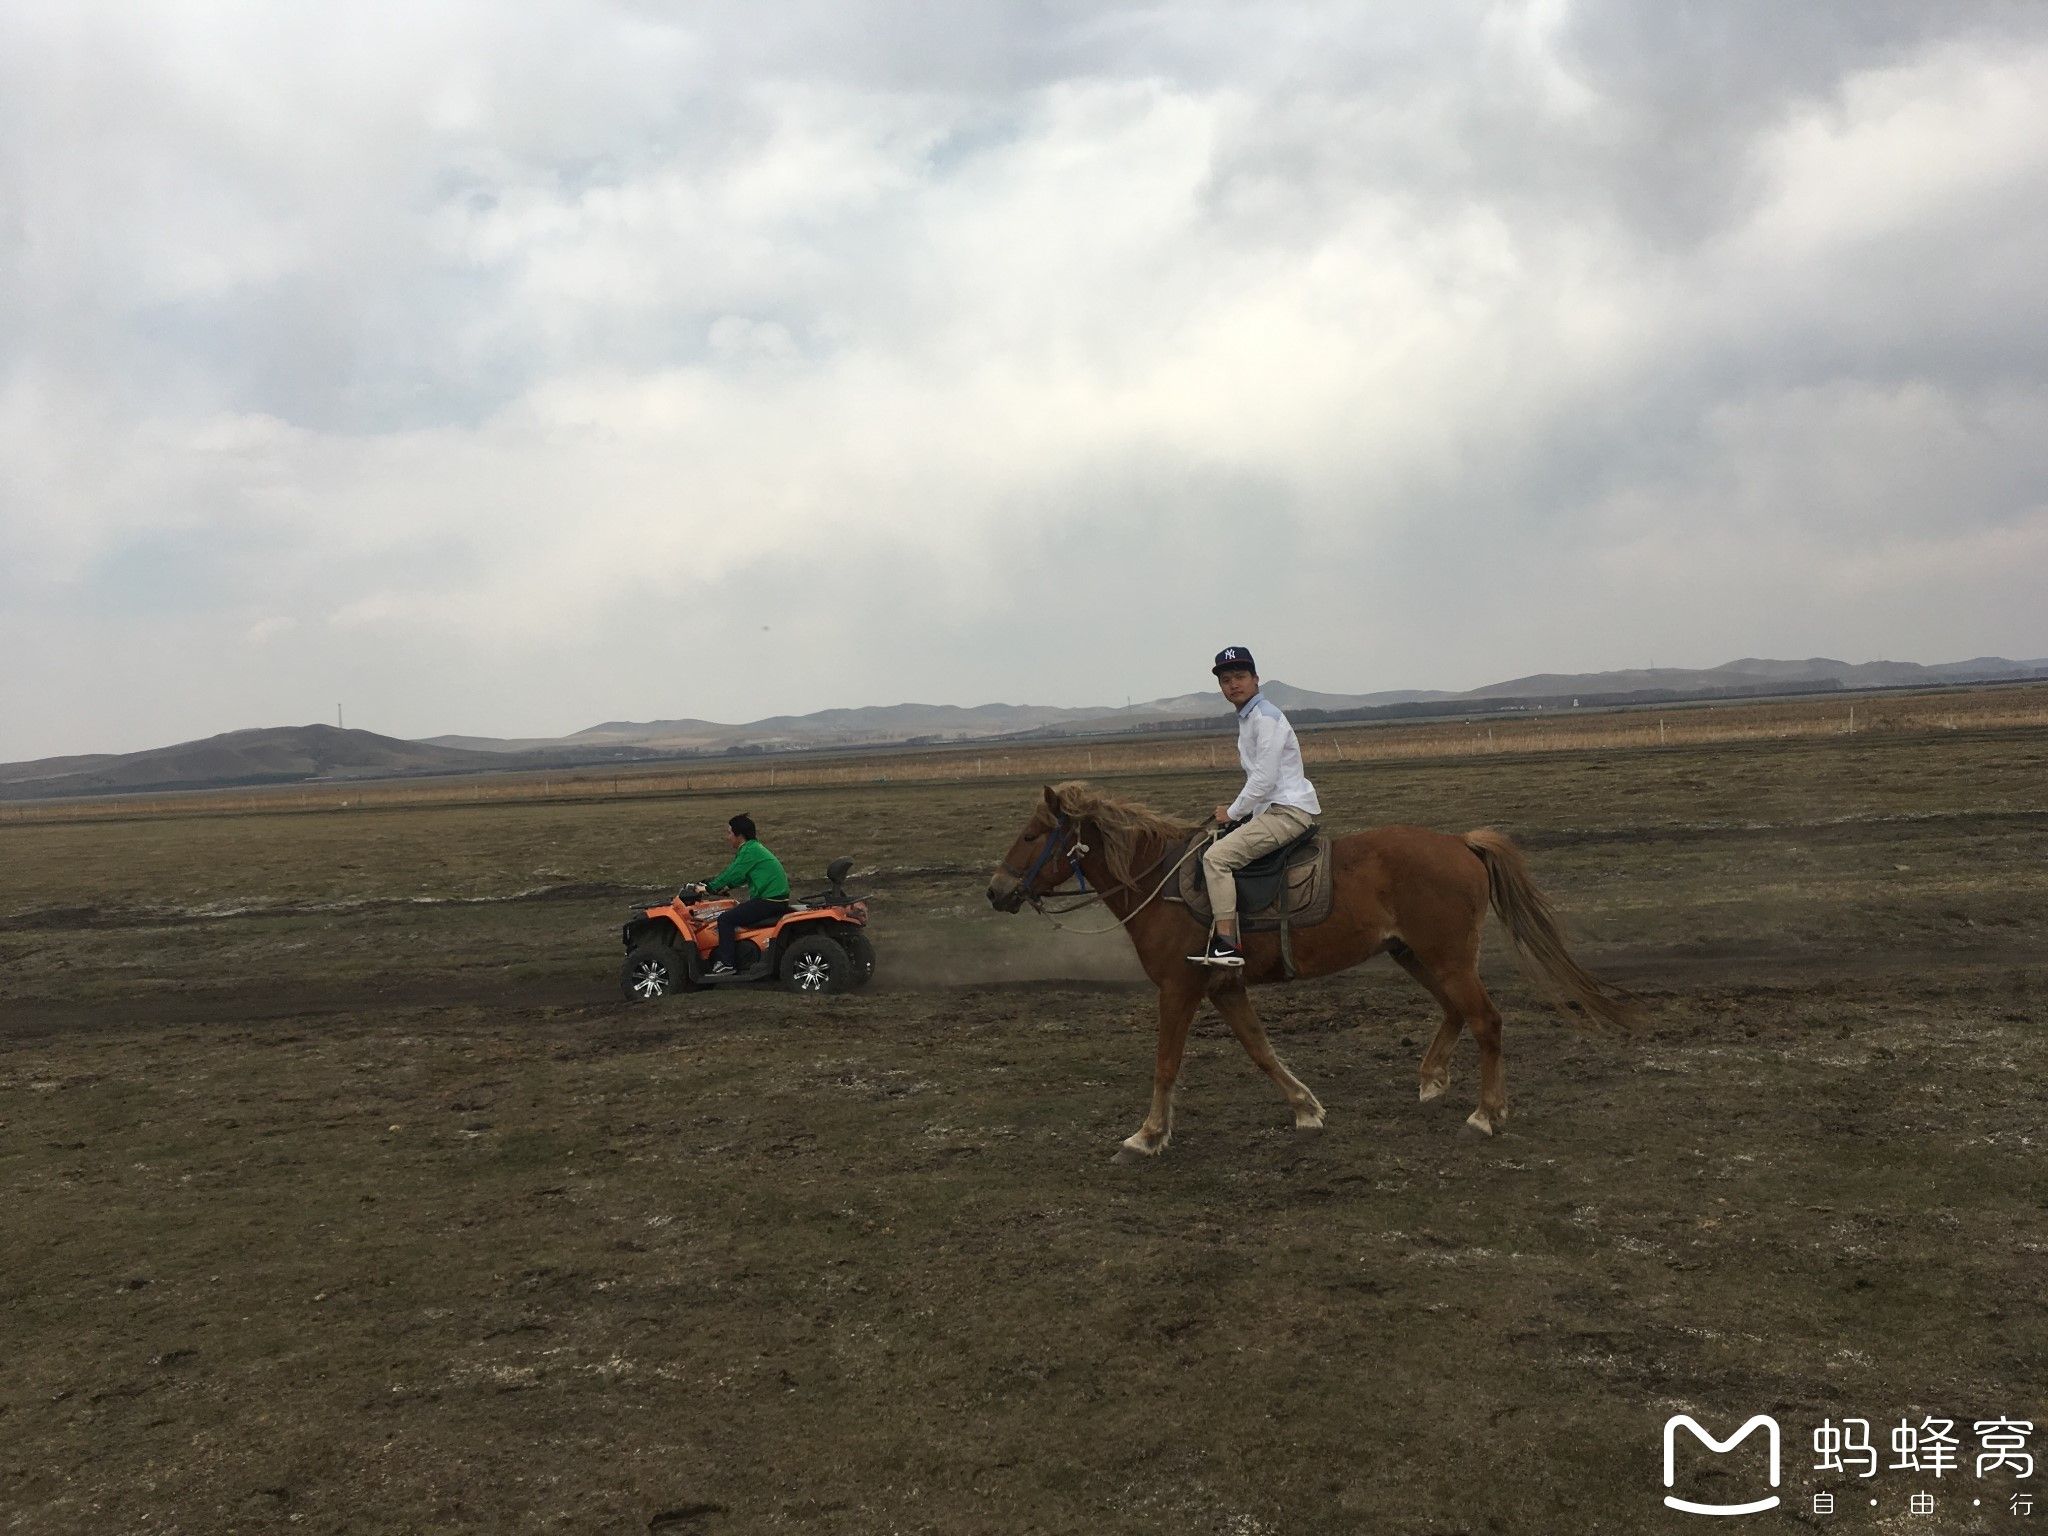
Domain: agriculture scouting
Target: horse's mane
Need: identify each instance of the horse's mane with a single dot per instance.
(1123, 825)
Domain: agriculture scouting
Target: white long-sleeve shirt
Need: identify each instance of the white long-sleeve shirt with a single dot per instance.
(1272, 762)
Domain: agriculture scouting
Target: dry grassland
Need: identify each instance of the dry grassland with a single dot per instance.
(1949, 710)
(344, 1196)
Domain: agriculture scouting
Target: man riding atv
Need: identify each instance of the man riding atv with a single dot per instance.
(754, 867)
(816, 944)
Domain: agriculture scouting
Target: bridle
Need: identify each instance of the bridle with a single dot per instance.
(1060, 830)
(1074, 850)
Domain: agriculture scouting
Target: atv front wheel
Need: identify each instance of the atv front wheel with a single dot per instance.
(816, 964)
(652, 971)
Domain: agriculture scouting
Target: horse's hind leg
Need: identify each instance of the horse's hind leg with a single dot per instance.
(1435, 1075)
(1469, 997)
(1236, 1009)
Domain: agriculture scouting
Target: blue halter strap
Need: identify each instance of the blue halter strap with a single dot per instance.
(1060, 830)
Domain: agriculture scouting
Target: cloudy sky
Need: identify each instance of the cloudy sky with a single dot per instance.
(504, 368)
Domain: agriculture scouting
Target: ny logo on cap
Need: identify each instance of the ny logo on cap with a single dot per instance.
(1231, 654)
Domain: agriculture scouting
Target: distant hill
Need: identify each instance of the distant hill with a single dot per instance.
(274, 755)
(1756, 673)
(52, 767)
(1286, 695)
(293, 754)
(828, 727)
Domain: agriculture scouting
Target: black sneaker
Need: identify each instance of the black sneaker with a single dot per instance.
(720, 971)
(1221, 951)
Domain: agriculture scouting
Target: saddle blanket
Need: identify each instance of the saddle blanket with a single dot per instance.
(1295, 896)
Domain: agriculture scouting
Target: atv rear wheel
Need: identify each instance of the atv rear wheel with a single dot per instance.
(816, 964)
(861, 950)
(654, 970)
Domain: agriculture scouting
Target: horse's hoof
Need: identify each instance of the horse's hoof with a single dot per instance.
(1433, 1090)
(1138, 1150)
(1308, 1119)
(1486, 1124)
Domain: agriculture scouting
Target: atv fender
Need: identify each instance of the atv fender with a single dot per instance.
(658, 926)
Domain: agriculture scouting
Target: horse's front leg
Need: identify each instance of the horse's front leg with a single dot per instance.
(1237, 1012)
(1178, 1000)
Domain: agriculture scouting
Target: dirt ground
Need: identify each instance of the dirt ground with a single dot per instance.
(344, 1195)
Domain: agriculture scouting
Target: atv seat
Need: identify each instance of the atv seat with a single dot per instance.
(835, 893)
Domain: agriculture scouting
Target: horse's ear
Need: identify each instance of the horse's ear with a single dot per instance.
(1052, 800)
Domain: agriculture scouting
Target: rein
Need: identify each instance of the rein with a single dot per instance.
(1076, 850)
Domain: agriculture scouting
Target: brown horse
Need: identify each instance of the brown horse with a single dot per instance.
(1419, 895)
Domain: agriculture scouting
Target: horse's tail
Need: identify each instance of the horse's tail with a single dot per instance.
(1525, 913)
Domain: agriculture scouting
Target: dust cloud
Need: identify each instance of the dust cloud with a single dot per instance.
(1023, 949)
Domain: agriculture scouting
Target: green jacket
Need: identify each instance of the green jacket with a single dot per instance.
(755, 868)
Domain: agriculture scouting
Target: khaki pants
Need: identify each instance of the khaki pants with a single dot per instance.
(1270, 829)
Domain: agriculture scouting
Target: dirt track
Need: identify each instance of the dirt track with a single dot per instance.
(364, 1207)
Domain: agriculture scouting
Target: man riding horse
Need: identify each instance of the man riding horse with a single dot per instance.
(1416, 895)
(1277, 804)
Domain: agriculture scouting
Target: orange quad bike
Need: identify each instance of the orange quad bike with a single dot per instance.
(820, 945)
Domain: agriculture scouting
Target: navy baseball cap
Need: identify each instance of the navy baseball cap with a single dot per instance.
(1232, 656)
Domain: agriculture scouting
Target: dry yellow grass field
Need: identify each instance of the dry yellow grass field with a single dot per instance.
(1563, 730)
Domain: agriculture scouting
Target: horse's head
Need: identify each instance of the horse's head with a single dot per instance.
(1040, 860)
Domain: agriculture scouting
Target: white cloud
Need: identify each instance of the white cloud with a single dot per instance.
(486, 368)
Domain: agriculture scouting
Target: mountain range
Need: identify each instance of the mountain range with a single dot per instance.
(297, 754)
(891, 724)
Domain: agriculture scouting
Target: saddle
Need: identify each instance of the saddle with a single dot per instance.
(1287, 888)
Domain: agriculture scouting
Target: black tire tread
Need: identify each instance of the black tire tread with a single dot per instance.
(654, 949)
(842, 969)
